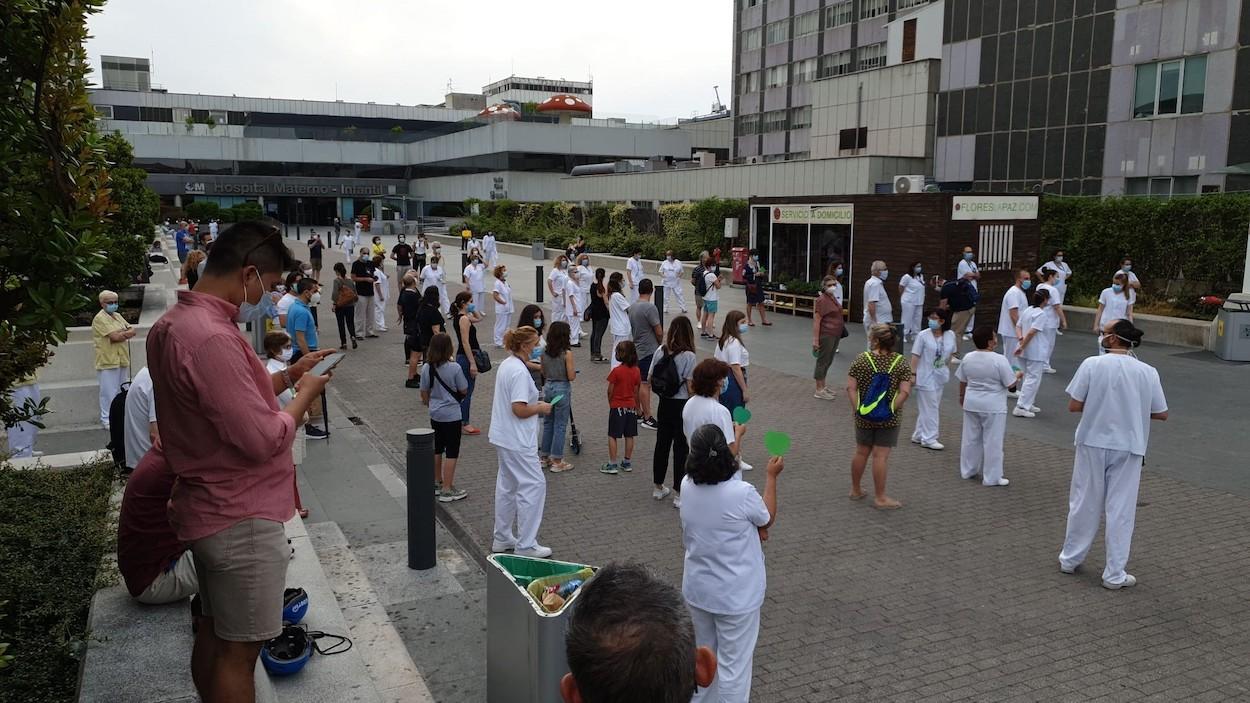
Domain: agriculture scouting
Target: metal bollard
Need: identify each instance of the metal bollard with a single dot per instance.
(421, 551)
(659, 304)
(538, 283)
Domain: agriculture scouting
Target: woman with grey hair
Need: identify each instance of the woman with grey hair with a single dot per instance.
(828, 326)
(724, 521)
(877, 307)
(111, 335)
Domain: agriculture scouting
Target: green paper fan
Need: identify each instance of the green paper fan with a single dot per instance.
(741, 415)
(777, 443)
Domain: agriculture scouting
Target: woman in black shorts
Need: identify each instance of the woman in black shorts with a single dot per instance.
(441, 381)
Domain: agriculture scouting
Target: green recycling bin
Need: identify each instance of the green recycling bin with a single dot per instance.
(524, 642)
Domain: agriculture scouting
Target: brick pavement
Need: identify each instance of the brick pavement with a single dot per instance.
(955, 597)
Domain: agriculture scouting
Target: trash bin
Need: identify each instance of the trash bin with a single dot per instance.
(1232, 328)
(524, 643)
(538, 251)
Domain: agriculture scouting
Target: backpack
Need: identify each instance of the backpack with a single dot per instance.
(876, 409)
(117, 427)
(700, 283)
(664, 379)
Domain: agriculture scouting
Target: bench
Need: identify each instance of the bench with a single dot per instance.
(793, 303)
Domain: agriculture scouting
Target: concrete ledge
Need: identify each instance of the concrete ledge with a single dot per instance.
(1173, 331)
(62, 461)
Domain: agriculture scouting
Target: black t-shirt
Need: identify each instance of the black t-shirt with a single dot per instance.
(363, 268)
(409, 304)
(428, 317)
(314, 248)
(957, 295)
(403, 254)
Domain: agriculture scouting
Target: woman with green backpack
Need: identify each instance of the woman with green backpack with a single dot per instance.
(878, 384)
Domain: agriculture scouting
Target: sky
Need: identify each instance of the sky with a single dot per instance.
(649, 59)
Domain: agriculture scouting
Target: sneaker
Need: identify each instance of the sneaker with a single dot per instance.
(1034, 409)
(559, 467)
(1050, 370)
(609, 469)
(1059, 332)
(371, 336)
(537, 552)
(825, 394)
(1068, 569)
(412, 383)
(1013, 394)
(452, 494)
(915, 440)
(937, 446)
(677, 501)
(1021, 412)
(312, 432)
(661, 493)
(627, 466)
(500, 547)
(438, 488)
(742, 464)
(967, 336)
(649, 423)
(1001, 482)
(1128, 582)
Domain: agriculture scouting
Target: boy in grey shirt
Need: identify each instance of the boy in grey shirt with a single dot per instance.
(644, 323)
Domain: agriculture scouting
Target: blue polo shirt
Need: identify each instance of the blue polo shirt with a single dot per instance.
(299, 319)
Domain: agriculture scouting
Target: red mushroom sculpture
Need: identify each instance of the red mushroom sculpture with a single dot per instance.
(499, 113)
(566, 107)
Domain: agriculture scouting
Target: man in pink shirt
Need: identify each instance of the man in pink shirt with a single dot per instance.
(230, 448)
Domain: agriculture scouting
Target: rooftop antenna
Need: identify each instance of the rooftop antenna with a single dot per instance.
(717, 106)
(448, 85)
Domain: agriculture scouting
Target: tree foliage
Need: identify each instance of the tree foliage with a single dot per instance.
(55, 192)
(136, 209)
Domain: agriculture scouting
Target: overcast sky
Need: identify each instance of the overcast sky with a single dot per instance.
(650, 59)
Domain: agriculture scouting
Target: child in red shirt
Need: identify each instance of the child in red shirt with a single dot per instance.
(623, 384)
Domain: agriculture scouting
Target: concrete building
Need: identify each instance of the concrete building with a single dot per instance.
(125, 73)
(521, 90)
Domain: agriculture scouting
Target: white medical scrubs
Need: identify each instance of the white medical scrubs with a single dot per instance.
(618, 324)
(988, 376)
(559, 280)
(585, 279)
(933, 354)
(912, 300)
(1120, 393)
(475, 274)
(1015, 299)
(1034, 357)
(503, 311)
(1051, 317)
(437, 277)
(634, 266)
(874, 292)
(1062, 273)
(521, 487)
(670, 273)
(1115, 306)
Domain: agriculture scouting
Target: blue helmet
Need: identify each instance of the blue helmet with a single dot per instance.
(287, 653)
(294, 605)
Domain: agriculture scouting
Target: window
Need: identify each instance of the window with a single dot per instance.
(905, 4)
(995, 245)
(872, 56)
(909, 40)
(775, 121)
(749, 82)
(777, 76)
(804, 71)
(104, 112)
(838, 64)
(852, 138)
(798, 155)
(838, 15)
(751, 39)
(777, 32)
(772, 158)
(807, 23)
(181, 114)
(801, 117)
(1162, 187)
(873, 8)
(1170, 87)
(219, 117)
(748, 124)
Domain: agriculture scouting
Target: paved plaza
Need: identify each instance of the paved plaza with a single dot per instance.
(957, 596)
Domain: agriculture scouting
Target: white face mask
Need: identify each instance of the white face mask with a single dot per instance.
(832, 291)
(316, 299)
(285, 355)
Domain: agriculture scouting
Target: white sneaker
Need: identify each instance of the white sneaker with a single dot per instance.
(1068, 569)
(677, 502)
(1128, 582)
(500, 547)
(933, 445)
(1034, 409)
(537, 552)
(1001, 482)
(1021, 412)
(1013, 394)
(661, 492)
(915, 441)
(743, 465)
(956, 360)
(967, 336)
(1050, 370)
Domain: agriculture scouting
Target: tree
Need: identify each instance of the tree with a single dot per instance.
(55, 197)
(203, 210)
(137, 208)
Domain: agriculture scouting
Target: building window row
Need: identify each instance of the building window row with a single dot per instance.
(777, 32)
(1170, 87)
(775, 121)
(804, 71)
(837, 64)
(873, 8)
(543, 87)
(807, 23)
(751, 39)
(808, 70)
(908, 4)
(776, 76)
(749, 82)
(839, 14)
(871, 56)
(1162, 187)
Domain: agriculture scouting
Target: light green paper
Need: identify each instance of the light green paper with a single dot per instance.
(777, 443)
(741, 415)
(559, 397)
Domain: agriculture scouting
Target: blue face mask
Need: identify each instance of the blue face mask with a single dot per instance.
(1117, 287)
(742, 329)
(967, 256)
(1026, 284)
(918, 270)
(472, 307)
(538, 323)
(255, 312)
(934, 325)
(1126, 267)
(884, 275)
(838, 272)
(111, 308)
(724, 386)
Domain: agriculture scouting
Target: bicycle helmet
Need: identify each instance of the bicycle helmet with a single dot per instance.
(294, 605)
(287, 653)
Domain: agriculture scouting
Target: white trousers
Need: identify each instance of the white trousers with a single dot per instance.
(444, 302)
(1009, 346)
(674, 294)
(633, 292)
(501, 325)
(575, 322)
(732, 638)
(379, 313)
(520, 493)
(173, 585)
(928, 404)
(981, 449)
(111, 381)
(559, 310)
(1102, 480)
(972, 321)
(364, 316)
(479, 300)
(1051, 336)
(911, 318)
(1033, 371)
(22, 435)
(616, 339)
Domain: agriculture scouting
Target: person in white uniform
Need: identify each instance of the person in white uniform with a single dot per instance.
(381, 294)
(670, 274)
(432, 274)
(474, 278)
(877, 307)
(1117, 396)
(1063, 273)
(585, 279)
(984, 378)
(349, 241)
(1126, 266)
(22, 435)
(502, 296)
(724, 522)
(633, 274)
(557, 281)
(491, 250)
(521, 487)
(930, 364)
(572, 303)
(140, 426)
(911, 296)
(967, 268)
(618, 315)
(1056, 319)
(1015, 302)
(1033, 352)
(1114, 303)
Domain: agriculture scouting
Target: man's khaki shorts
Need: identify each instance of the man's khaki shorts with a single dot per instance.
(242, 575)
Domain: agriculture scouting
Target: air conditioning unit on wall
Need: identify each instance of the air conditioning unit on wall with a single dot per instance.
(908, 184)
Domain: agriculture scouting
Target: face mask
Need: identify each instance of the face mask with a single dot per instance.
(1058, 258)
(472, 307)
(1117, 287)
(669, 257)
(724, 386)
(316, 299)
(1126, 267)
(364, 257)
(255, 312)
(280, 288)
(433, 267)
(1026, 284)
(564, 265)
(538, 323)
(832, 291)
(934, 325)
(838, 272)
(285, 355)
(967, 256)
(637, 257)
(742, 329)
(306, 271)
(111, 308)
(755, 258)
(884, 275)
(918, 270)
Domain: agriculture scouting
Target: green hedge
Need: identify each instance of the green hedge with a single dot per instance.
(1199, 239)
(54, 533)
(687, 229)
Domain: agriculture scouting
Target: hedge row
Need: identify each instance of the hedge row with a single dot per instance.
(54, 533)
(1198, 240)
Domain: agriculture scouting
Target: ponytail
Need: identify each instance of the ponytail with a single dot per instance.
(514, 339)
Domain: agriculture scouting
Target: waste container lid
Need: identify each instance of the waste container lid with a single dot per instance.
(523, 571)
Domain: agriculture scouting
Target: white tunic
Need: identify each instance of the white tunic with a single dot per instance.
(505, 292)
(1052, 313)
(1115, 305)
(618, 318)
(475, 275)
(734, 352)
(1017, 300)
(669, 271)
(934, 355)
(965, 267)
(559, 280)
(913, 289)
(1119, 393)
(1062, 273)
(513, 384)
(723, 570)
(988, 376)
(874, 292)
(431, 276)
(634, 266)
(1039, 347)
